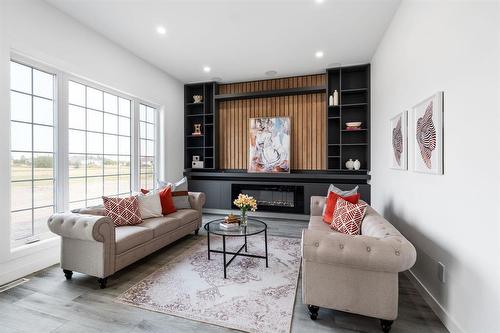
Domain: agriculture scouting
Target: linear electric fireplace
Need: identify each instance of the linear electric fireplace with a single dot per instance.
(273, 198)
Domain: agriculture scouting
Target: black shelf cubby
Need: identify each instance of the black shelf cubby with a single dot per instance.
(202, 114)
(353, 86)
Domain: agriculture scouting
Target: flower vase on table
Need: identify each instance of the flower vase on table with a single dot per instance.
(245, 203)
(243, 218)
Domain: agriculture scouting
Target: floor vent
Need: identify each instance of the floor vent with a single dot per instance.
(12, 284)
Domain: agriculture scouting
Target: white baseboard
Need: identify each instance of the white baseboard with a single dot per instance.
(448, 321)
(298, 217)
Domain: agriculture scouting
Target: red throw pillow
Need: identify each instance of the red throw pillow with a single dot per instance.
(167, 202)
(123, 211)
(348, 217)
(331, 203)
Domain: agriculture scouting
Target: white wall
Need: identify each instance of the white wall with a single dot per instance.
(454, 219)
(35, 29)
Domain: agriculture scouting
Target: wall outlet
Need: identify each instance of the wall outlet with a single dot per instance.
(441, 272)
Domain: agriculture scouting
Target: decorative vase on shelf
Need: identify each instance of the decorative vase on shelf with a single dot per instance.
(356, 164)
(349, 164)
(330, 100)
(243, 218)
(335, 98)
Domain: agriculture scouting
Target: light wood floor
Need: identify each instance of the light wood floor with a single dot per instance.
(49, 303)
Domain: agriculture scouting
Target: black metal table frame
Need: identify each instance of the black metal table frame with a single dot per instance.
(237, 253)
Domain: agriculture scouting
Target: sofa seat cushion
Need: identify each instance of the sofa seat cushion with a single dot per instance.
(185, 215)
(316, 223)
(161, 225)
(128, 237)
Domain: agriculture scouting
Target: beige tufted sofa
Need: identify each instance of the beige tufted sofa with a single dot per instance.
(357, 274)
(92, 245)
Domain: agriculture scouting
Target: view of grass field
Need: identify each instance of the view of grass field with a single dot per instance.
(33, 186)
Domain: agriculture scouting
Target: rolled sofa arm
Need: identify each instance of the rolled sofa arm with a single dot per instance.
(83, 227)
(197, 200)
(317, 204)
(389, 254)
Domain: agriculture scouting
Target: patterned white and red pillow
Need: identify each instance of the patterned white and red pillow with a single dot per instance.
(347, 217)
(123, 211)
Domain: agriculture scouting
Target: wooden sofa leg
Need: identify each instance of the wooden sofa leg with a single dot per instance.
(197, 231)
(68, 274)
(386, 325)
(102, 282)
(313, 311)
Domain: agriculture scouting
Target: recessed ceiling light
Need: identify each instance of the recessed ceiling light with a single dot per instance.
(320, 1)
(319, 54)
(271, 73)
(207, 69)
(161, 30)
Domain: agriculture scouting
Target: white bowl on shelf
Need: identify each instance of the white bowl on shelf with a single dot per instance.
(354, 124)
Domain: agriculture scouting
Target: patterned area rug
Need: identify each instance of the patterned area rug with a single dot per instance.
(253, 298)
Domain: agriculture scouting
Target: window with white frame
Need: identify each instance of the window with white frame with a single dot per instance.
(105, 140)
(99, 135)
(32, 110)
(147, 154)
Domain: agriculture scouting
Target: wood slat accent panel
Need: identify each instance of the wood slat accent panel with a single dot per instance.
(307, 114)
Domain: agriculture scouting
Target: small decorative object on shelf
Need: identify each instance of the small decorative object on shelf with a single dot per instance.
(353, 125)
(356, 164)
(330, 100)
(197, 164)
(197, 129)
(349, 164)
(245, 202)
(335, 98)
(196, 157)
(197, 98)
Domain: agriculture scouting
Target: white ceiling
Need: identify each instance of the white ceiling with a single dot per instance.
(239, 39)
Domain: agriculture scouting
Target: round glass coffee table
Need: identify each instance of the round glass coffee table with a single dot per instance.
(253, 227)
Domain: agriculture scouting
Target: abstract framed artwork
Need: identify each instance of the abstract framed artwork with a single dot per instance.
(269, 145)
(399, 141)
(428, 135)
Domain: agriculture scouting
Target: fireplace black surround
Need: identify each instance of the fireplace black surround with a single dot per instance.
(273, 198)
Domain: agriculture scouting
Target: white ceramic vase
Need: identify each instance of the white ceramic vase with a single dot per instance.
(356, 164)
(349, 164)
(335, 98)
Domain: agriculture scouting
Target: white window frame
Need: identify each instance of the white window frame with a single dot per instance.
(156, 141)
(28, 62)
(61, 131)
(133, 120)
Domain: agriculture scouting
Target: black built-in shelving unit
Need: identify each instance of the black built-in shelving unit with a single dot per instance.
(353, 86)
(203, 145)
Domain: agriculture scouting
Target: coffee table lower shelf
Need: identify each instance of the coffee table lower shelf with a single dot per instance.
(239, 252)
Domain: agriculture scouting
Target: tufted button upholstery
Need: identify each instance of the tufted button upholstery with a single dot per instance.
(197, 200)
(84, 227)
(380, 247)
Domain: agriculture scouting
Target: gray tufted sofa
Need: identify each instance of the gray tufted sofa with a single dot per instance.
(357, 274)
(92, 245)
